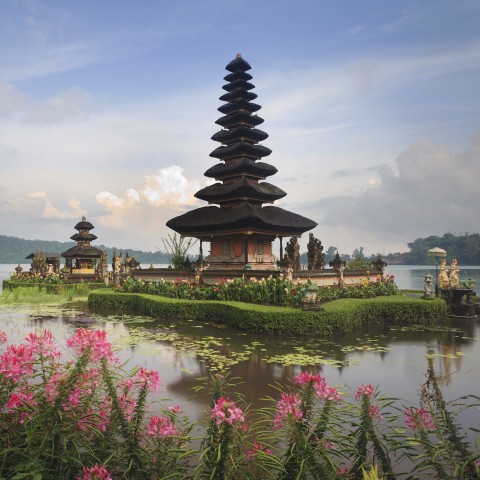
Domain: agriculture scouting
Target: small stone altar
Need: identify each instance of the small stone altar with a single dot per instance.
(460, 302)
(458, 295)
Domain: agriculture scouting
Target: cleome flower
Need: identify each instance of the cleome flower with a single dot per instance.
(364, 390)
(96, 340)
(160, 427)
(148, 378)
(225, 411)
(419, 418)
(95, 473)
(288, 408)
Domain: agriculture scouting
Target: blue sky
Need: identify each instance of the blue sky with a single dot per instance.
(372, 107)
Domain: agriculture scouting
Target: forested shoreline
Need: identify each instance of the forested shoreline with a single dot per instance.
(14, 250)
(464, 247)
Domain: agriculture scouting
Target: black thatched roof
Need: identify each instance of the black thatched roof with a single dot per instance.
(82, 251)
(238, 64)
(232, 77)
(244, 189)
(239, 83)
(238, 95)
(241, 217)
(84, 236)
(242, 132)
(239, 118)
(47, 255)
(238, 106)
(241, 149)
(83, 225)
(241, 166)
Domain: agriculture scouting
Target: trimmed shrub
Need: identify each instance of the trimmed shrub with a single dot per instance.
(337, 316)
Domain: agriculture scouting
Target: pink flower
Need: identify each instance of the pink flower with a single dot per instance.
(257, 447)
(419, 418)
(305, 377)
(289, 407)
(225, 411)
(95, 473)
(176, 409)
(161, 427)
(343, 472)
(96, 340)
(16, 361)
(150, 379)
(374, 412)
(19, 399)
(3, 337)
(42, 344)
(363, 390)
(322, 390)
(128, 405)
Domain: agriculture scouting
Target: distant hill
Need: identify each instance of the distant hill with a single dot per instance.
(14, 250)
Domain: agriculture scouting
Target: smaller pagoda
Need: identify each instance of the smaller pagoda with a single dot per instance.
(81, 260)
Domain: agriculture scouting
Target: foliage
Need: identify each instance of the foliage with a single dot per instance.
(465, 248)
(176, 248)
(48, 279)
(86, 417)
(35, 294)
(272, 290)
(338, 316)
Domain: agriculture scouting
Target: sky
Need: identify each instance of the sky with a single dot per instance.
(372, 110)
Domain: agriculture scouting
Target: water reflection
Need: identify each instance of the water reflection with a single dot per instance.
(392, 356)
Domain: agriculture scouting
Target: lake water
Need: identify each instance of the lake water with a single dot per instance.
(391, 356)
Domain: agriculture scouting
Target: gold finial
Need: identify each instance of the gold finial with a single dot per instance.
(239, 55)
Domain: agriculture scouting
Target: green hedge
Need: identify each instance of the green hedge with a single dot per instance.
(336, 317)
(52, 287)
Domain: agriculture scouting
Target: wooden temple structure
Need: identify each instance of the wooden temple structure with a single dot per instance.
(238, 225)
(81, 260)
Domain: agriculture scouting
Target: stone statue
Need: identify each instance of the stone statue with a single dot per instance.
(315, 257)
(39, 264)
(443, 280)
(311, 257)
(428, 285)
(337, 262)
(379, 264)
(130, 263)
(341, 269)
(117, 263)
(454, 278)
(18, 270)
(292, 251)
(319, 256)
(102, 267)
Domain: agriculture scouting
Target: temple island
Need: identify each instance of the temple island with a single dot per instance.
(239, 223)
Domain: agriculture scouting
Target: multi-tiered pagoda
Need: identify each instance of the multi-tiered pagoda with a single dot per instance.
(81, 260)
(240, 228)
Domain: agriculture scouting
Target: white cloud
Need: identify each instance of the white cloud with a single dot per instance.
(168, 187)
(50, 211)
(434, 192)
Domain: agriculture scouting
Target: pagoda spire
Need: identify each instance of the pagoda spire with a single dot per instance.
(237, 198)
